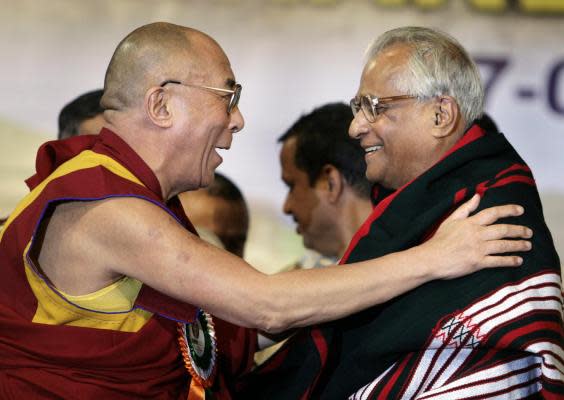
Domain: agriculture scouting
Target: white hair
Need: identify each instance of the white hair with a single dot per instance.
(438, 65)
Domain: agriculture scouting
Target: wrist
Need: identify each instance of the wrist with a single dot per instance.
(427, 262)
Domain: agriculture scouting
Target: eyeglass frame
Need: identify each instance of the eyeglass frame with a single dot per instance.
(377, 104)
(235, 93)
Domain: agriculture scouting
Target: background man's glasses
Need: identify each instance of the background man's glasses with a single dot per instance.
(233, 100)
(373, 106)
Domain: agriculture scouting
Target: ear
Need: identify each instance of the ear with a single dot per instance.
(446, 115)
(157, 107)
(333, 181)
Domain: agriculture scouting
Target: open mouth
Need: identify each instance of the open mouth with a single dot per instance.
(372, 149)
(221, 150)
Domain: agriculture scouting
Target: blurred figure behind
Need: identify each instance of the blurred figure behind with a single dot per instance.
(82, 116)
(324, 170)
(220, 209)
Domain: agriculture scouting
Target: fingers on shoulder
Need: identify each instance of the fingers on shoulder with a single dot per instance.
(500, 231)
(501, 261)
(507, 246)
(492, 214)
(466, 208)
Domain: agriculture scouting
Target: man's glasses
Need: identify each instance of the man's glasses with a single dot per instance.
(373, 106)
(233, 100)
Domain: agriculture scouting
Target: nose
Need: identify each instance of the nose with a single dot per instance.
(237, 121)
(358, 126)
(287, 208)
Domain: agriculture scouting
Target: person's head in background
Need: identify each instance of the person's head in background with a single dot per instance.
(82, 116)
(324, 170)
(220, 209)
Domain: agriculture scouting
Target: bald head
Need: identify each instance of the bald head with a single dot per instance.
(176, 127)
(148, 56)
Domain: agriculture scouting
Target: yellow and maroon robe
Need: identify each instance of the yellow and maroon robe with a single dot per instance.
(120, 342)
(497, 333)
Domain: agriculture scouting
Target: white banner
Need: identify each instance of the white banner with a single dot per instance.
(290, 56)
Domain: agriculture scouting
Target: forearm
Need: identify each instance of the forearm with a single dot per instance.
(313, 296)
(232, 290)
(183, 266)
(274, 303)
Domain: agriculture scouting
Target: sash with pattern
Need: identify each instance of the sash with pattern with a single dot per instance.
(497, 333)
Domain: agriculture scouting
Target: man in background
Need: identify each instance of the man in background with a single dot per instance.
(219, 209)
(82, 116)
(324, 170)
(328, 194)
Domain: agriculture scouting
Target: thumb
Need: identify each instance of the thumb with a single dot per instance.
(466, 209)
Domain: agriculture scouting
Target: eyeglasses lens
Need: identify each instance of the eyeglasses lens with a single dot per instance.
(368, 108)
(355, 105)
(235, 98)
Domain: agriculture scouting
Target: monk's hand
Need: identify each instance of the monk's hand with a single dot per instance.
(466, 244)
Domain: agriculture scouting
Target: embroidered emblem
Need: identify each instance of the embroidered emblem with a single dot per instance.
(198, 346)
(459, 331)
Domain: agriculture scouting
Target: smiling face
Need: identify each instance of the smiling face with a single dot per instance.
(398, 145)
(203, 124)
(153, 98)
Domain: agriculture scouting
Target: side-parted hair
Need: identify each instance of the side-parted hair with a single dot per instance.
(322, 138)
(438, 65)
(84, 107)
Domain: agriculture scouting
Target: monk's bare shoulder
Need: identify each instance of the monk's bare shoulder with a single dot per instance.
(83, 246)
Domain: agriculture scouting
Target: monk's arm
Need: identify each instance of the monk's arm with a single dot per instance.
(138, 239)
